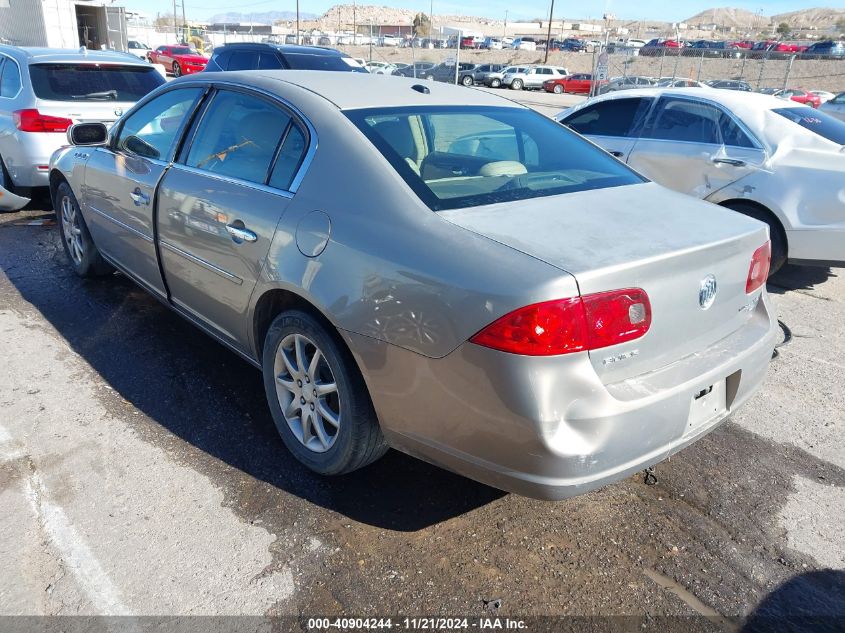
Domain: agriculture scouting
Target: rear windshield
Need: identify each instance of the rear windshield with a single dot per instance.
(455, 157)
(93, 82)
(819, 122)
(298, 61)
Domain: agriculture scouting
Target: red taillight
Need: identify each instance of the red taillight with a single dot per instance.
(758, 272)
(32, 120)
(570, 325)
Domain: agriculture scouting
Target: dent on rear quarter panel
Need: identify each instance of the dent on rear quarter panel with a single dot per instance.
(393, 269)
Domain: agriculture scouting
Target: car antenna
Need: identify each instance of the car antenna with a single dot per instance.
(422, 89)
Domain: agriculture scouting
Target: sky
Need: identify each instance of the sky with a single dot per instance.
(669, 11)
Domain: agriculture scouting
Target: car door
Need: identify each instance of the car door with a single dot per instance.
(612, 124)
(118, 196)
(695, 147)
(166, 58)
(219, 205)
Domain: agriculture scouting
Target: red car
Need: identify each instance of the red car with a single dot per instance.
(801, 96)
(743, 44)
(179, 60)
(576, 84)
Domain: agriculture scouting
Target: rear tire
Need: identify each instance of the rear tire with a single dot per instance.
(80, 249)
(558, 89)
(496, 83)
(333, 430)
(516, 84)
(776, 233)
(467, 81)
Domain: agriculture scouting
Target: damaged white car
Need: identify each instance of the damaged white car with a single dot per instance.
(774, 160)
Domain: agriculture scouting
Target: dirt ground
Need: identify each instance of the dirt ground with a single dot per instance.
(809, 74)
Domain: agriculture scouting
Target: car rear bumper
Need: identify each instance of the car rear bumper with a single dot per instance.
(547, 427)
(27, 156)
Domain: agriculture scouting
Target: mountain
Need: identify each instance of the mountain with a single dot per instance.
(266, 17)
(810, 18)
(726, 16)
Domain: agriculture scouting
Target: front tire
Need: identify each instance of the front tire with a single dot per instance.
(318, 398)
(558, 89)
(496, 83)
(516, 84)
(776, 234)
(467, 81)
(177, 69)
(79, 247)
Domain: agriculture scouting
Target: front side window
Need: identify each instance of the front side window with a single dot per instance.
(614, 117)
(238, 137)
(153, 129)
(456, 157)
(817, 122)
(93, 82)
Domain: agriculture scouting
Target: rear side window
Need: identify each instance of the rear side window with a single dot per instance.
(455, 157)
(93, 82)
(10, 80)
(269, 61)
(243, 60)
(817, 122)
(695, 122)
(615, 117)
(289, 159)
(238, 137)
(300, 61)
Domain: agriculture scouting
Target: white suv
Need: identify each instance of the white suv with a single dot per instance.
(533, 77)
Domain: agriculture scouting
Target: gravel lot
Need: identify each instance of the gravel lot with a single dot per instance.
(140, 473)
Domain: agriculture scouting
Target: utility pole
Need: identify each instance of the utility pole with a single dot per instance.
(355, 25)
(175, 28)
(184, 21)
(505, 31)
(549, 34)
(297, 21)
(431, 20)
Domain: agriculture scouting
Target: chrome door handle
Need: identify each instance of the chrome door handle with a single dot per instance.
(139, 197)
(240, 234)
(729, 161)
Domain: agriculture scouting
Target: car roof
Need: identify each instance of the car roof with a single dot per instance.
(294, 49)
(360, 90)
(731, 99)
(35, 55)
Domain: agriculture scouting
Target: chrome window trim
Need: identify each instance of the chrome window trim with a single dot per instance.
(696, 99)
(231, 179)
(131, 229)
(201, 262)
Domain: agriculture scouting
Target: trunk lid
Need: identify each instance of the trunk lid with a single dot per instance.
(638, 236)
(85, 111)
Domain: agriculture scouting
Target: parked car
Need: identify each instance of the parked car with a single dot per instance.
(730, 84)
(799, 95)
(826, 50)
(479, 74)
(524, 44)
(445, 73)
(579, 83)
(660, 46)
(390, 40)
(532, 77)
(599, 343)
(824, 95)
(709, 48)
(266, 56)
(138, 49)
(626, 83)
(492, 43)
(774, 160)
(835, 107)
(680, 83)
(572, 44)
(178, 60)
(494, 79)
(418, 69)
(375, 67)
(44, 91)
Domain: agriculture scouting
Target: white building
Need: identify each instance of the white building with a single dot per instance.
(63, 24)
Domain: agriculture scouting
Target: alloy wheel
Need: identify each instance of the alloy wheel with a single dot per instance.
(72, 230)
(308, 392)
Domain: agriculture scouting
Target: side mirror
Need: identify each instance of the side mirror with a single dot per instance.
(87, 134)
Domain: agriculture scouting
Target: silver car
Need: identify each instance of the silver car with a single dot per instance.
(835, 107)
(44, 91)
(772, 159)
(532, 77)
(495, 295)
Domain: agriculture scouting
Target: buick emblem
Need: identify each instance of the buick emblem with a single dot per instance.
(118, 111)
(707, 292)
